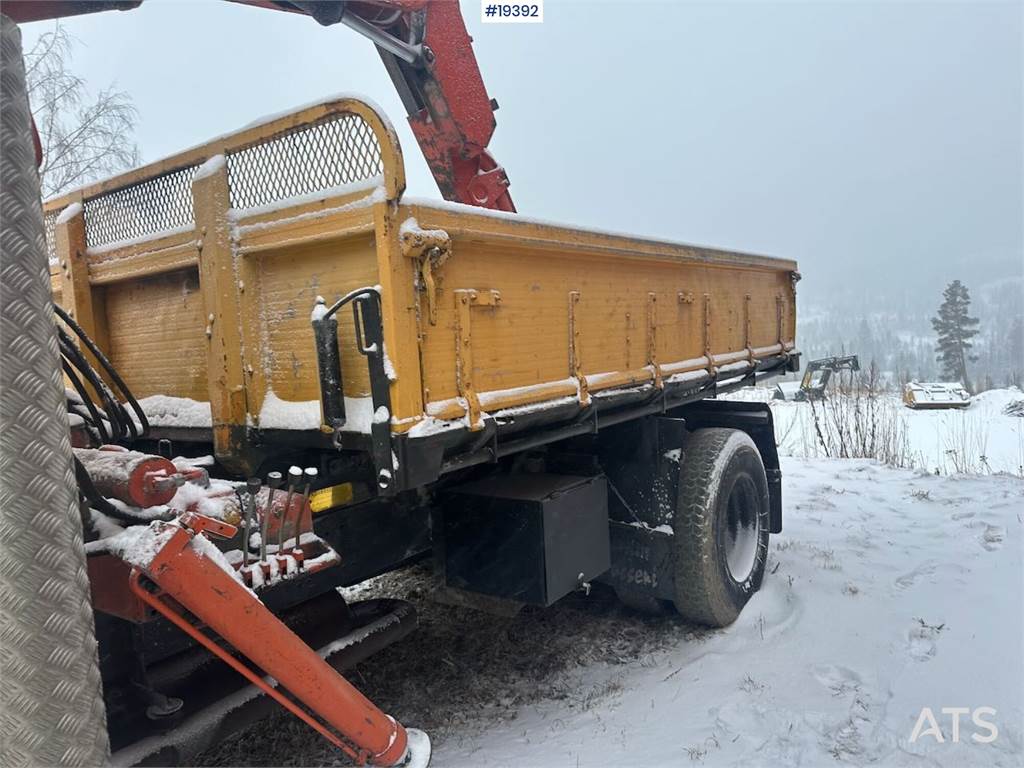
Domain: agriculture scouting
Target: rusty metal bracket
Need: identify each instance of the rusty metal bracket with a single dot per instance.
(575, 364)
(652, 339)
(747, 329)
(707, 334)
(430, 248)
(465, 300)
(780, 314)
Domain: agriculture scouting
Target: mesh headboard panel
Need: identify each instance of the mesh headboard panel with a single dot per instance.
(340, 149)
(50, 229)
(154, 205)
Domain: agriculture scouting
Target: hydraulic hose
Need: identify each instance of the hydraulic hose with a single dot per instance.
(112, 423)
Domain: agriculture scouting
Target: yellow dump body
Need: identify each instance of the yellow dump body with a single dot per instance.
(197, 275)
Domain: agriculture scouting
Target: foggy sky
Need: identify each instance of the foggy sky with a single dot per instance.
(874, 143)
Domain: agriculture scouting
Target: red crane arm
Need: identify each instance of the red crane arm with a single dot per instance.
(429, 56)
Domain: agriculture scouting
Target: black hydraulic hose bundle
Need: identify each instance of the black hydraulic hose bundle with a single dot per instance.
(109, 420)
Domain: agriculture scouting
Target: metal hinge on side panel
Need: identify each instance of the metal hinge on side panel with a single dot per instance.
(575, 364)
(707, 334)
(465, 300)
(747, 328)
(652, 339)
(780, 314)
(430, 248)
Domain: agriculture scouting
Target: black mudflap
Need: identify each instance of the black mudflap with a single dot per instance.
(641, 561)
(641, 460)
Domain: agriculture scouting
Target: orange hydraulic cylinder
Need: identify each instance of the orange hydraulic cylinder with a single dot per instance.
(202, 586)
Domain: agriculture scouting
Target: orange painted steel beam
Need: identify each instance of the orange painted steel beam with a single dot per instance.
(194, 580)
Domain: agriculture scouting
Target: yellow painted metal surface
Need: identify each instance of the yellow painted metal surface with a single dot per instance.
(157, 338)
(616, 311)
(482, 311)
(330, 497)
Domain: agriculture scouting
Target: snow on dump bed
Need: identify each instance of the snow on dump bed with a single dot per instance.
(167, 411)
(412, 227)
(305, 414)
(289, 414)
(117, 245)
(276, 413)
(372, 185)
(339, 96)
(211, 167)
(69, 213)
(518, 218)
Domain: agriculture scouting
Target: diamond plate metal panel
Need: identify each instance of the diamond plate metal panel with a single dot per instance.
(52, 711)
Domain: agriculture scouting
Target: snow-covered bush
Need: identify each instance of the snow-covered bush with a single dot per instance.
(964, 442)
(859, 421)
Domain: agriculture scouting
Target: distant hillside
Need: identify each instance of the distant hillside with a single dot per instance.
(895, 330)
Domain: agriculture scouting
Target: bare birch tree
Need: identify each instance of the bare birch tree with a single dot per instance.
(83, 137)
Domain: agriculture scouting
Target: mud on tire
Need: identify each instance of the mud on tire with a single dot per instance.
(721, 526)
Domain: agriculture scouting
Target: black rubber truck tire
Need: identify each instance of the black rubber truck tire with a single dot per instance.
(722, 479)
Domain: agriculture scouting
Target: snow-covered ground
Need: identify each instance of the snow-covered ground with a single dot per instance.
(889, 591)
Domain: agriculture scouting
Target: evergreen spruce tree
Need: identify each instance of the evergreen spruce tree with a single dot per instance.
(955, 329)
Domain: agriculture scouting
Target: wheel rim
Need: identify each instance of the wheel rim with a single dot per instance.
(742, 530)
